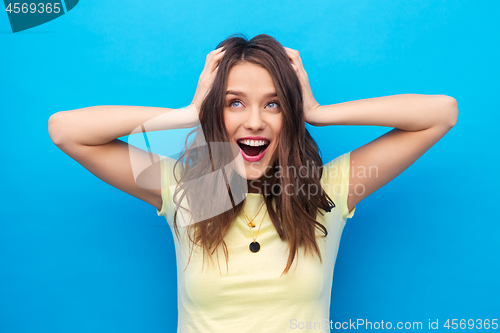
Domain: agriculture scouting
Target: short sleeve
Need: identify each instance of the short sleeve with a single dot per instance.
(335, 182)
(167, 182)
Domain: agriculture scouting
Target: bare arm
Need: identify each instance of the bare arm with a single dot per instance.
(408, 112)
(99, 125)
(419, 122)
(90, 136)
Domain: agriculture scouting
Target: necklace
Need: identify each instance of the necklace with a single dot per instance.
(254, 246)
(250, 222)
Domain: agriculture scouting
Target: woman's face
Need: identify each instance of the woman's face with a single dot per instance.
(252, 116)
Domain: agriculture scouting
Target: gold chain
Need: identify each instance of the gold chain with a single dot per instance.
(255, 246)
(255, 238)
(250, 223)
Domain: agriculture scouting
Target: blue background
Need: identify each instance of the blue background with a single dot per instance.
(77, 255)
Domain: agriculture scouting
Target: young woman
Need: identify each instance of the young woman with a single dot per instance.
(257, 247)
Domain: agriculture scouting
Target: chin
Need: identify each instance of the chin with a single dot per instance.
(253, 173)
(251, 170)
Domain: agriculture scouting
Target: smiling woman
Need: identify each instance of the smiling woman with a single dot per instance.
(256, 109)
(252, 182)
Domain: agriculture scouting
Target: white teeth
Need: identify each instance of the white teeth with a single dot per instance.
(254, 143)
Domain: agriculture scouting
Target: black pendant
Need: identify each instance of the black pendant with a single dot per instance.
(254, 247)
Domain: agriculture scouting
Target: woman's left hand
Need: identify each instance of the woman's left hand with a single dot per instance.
(310, 104)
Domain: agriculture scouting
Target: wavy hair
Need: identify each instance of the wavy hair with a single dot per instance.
(293, 216)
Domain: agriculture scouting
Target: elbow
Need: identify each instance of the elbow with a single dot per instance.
(449, 110)
(55, 127)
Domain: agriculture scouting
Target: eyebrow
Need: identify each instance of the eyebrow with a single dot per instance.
(239, 93)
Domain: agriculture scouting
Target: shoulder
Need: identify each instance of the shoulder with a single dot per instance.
(336, 170)
(335, 181)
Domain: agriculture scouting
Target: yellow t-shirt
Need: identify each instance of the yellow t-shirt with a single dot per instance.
(251, 296)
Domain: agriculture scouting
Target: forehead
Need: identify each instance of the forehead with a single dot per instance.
(250, 78)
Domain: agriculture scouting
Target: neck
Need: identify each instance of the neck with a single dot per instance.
(255, 186)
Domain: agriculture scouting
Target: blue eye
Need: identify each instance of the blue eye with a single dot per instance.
(231, 104)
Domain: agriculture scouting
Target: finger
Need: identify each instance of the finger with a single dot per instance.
(215, 70)
(289, 53)
(214, 60)
(294, 56)
(216, 52)
(214, 73)
(293, 59)
(295, 64)
(292, 52)
(215, 55)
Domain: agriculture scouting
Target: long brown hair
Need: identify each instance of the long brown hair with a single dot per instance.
(293, 216)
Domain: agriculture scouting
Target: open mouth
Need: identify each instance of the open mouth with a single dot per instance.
(253, 150)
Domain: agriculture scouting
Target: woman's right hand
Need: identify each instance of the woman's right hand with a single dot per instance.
(207, 77)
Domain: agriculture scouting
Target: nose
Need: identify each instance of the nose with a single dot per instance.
(254, 121)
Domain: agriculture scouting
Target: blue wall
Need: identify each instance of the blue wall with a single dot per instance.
(77, 255)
